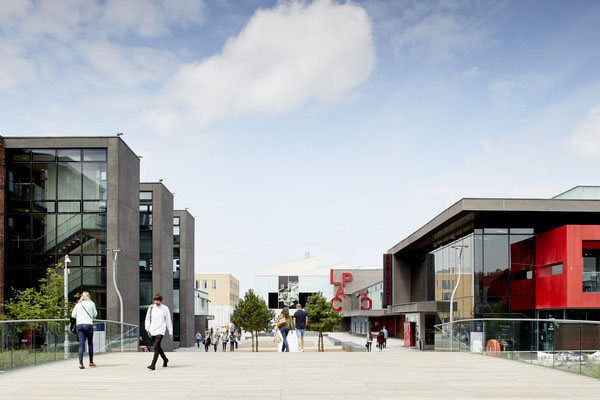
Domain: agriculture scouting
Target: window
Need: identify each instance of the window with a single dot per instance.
(557, 269)
(214, 284)
(55, 205)
(204, 284)
(145, 195)
(591, 270)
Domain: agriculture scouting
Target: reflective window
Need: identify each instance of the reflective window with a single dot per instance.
(69, 155)
(591, 270)
(44, 155)
(44, 220)
(69, 181)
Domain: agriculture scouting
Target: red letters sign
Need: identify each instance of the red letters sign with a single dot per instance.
(339, 292)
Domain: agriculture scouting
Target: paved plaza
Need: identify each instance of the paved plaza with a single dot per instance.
(309, 375)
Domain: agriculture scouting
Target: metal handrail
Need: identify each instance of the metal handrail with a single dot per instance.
(60, 320)
(558, 321)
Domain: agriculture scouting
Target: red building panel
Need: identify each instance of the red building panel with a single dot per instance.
(564, 245)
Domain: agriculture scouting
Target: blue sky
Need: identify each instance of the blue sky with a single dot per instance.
(331, 127)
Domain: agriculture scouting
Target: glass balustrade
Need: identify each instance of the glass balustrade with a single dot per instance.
(572, 346)
(27, 343)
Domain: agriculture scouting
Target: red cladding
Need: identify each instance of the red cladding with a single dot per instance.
(564, 245)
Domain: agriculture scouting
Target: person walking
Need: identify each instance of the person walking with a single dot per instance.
(215, 340)
(224, 340)
(85, 312)
(369, 340)
(206, 341)
(300, 324)
(198, 339)
(158, 321)
(380, 340)
(385, 337)
(232, 341)
(284, 323)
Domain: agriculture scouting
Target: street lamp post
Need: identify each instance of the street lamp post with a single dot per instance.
(115, 253)
(459, 248)
(66, 294)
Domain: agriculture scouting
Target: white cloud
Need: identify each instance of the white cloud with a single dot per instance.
(585, 138)
(283, 59)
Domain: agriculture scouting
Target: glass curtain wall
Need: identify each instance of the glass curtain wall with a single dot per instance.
(145, 262)
(455, 271)
(56, 206)
(176, 276)
(497, 274)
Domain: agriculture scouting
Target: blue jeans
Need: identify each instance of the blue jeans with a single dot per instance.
(85, 332)
(284, 333)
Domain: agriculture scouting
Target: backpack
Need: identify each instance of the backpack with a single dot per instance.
(380, 335)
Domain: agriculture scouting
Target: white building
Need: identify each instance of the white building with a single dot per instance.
(293, 282)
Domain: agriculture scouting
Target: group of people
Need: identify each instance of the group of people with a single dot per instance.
(382, 337)
(157, 323)
(285, 323)
(230, 335)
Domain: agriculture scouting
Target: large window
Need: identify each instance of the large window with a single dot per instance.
(591, 270)
(56, 206)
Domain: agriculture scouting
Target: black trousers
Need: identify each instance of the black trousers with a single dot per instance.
(156, 341)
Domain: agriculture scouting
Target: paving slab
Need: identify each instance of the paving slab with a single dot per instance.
(309, 375)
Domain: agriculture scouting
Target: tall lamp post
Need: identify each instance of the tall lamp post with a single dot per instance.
(459, 248)
(115, 253)
(66, 294)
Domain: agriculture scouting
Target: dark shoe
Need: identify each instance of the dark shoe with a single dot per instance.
(92, 364)
(151, 367)
(81, 366)
(165, 363)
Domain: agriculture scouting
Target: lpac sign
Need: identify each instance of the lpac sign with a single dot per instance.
(365, 301)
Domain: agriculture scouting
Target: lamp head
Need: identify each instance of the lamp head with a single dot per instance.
(67, 259)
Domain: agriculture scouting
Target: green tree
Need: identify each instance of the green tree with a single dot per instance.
(252, 315)
(321, 316)
(45, 302)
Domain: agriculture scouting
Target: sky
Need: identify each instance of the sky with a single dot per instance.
(330, 127)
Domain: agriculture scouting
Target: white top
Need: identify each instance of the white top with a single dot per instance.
(84, 312)
(158, 320)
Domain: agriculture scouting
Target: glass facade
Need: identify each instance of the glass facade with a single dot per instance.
(56, 206)
(495, 277)
(176, 275)
(591, 270)
(145, 262)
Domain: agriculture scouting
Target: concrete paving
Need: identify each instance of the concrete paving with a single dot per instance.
(310, 375)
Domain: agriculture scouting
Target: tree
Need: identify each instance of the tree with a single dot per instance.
(253, 315)
(45, 302)
(321, 316)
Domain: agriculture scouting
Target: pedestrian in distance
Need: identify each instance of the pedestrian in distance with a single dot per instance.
(157, 323)
(380, 340)
(300, 324)
(84, 312)
(385, 337)
(285, 324)
(215, 340)
(238, 335)
(231, 341)
(224, 340)
(206, 341)
(198, 339)
(369, 340)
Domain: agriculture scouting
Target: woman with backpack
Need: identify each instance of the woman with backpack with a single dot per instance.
(284, 323)
(84, 312)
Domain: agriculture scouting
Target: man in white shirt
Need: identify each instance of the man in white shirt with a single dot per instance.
(158, 320)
